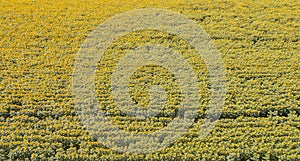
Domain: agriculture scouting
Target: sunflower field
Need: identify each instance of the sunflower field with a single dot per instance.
(259, 43)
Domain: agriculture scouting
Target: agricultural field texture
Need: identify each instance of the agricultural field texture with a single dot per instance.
(259, 46)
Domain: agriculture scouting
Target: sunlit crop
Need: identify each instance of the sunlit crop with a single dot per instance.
(259, 45)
